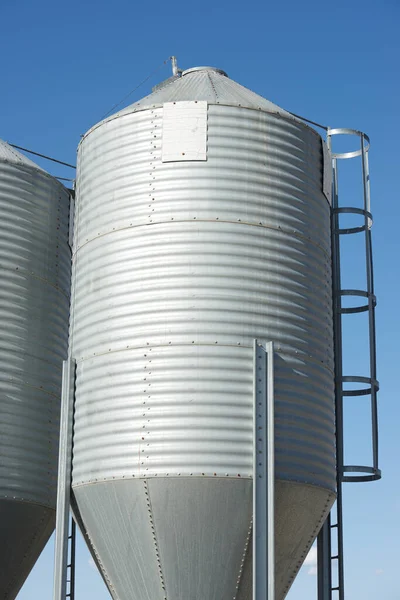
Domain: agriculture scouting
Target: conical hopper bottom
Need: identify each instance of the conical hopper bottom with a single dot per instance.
(189, 538)
(25, 529)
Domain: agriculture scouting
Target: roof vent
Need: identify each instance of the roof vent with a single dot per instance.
(213, 69)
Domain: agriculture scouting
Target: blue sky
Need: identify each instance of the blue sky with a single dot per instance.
(66, 64)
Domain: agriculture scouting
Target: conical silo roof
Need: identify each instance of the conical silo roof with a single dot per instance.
(208, 84)
(211, 85)
(10, 155)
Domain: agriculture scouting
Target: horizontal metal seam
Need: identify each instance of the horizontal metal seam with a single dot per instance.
(41, 279)
(276, 115)
(27, 501)
(199, 475)
(16, 382)
(279, 229)
(298, 355)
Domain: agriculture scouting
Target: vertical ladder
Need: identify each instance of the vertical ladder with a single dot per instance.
(70, 589)
(330, 553)
(330, 539)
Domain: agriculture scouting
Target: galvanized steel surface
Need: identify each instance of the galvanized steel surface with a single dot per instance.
(190, 537)
(34, 306)
(178, 267)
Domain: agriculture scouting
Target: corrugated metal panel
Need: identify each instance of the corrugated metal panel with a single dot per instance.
(225, 260)
(178, 267)
(35, 270)
(192, 413)
(261, 170)
(225, 274)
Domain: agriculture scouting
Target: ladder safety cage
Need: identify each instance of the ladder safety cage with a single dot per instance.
(354, 473)
(330, 539)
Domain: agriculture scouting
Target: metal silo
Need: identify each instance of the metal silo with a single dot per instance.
(202, 223)
(35, 260)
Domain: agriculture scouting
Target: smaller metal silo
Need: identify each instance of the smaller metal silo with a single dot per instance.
(34, 307)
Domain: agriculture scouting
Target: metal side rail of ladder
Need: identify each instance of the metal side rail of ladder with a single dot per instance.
(330, 554)
(330, 539)
(70, 589)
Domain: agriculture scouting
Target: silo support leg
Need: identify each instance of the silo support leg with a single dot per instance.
(263, 473)
(64, 481)
(324, 549)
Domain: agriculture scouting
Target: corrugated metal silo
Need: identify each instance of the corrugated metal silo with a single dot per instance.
(35, 271)
(201, 224)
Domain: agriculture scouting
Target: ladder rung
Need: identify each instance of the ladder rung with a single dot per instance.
(335, 589)
(335, 557)
(333, 526)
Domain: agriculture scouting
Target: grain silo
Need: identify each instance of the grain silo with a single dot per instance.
(202, 223)
(35, 273)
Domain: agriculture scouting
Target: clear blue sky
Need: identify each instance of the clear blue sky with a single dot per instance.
(65, 64)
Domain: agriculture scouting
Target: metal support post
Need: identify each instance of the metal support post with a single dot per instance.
(64, 481)
(263, 473)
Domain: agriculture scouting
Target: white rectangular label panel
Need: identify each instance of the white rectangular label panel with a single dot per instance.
(184, 131)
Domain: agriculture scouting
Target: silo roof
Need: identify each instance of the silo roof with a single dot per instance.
(208, 84)
(10, 155)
